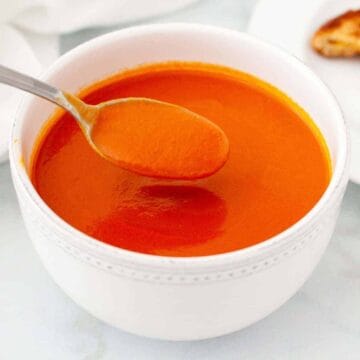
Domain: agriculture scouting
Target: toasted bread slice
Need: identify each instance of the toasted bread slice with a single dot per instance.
(339, 37)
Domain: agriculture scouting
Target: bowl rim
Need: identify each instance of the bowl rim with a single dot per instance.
(83, 241)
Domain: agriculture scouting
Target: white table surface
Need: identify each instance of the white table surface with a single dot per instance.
(38, 321)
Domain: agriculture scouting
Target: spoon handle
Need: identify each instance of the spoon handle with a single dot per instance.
(29, 84)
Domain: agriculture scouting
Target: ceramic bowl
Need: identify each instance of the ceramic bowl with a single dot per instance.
(180, 298)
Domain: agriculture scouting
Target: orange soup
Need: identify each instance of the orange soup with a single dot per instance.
(278, 167)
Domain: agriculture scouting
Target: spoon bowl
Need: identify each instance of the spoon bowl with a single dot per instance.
(152, 137)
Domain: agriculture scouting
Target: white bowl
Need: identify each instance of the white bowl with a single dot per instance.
(180, 298)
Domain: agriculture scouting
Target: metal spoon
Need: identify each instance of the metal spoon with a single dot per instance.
(168, 141)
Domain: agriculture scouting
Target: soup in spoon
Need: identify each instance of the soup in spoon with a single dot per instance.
(151, 137)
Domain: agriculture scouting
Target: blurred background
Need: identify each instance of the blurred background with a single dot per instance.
(38, 321)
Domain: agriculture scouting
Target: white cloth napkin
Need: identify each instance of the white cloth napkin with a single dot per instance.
(15, 52)
(60, 16)
(29, 32)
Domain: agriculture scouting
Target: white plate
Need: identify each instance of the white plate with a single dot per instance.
(290, 25)
(17, 54)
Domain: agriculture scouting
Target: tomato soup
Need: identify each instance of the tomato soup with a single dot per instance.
(278, 167)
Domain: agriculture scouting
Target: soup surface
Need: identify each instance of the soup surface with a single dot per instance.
(277, 169)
